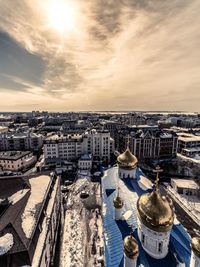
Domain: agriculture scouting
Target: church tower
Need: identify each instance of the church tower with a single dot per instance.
(155, 220)
(131, 251)
(118, 205)
(127, 164)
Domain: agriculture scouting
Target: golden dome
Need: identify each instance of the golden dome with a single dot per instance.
(118, 202)
(131, 247)
(127, 160)
(155, 211)
(195, 245)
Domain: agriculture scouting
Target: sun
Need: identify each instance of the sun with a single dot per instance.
(60, 15)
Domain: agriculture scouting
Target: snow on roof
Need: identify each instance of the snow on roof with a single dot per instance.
(184, 183)
(187, 137)
(72, 249)
(145, 183)
(18, 195)
(6, 243)
(45, 224)
(39, 186)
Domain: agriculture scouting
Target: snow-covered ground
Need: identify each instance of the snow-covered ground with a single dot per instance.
(6, 243)
(39, 186)
(82, 228)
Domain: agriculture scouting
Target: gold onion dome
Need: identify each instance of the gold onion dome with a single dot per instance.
(131, 247)
(127, 159)
(195, 245)
(118, 202)
(155, 211)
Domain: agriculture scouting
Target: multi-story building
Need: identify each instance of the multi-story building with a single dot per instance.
(189, 144)
(29, 220)
(65, 148)
(85, 162)
(16, 160)
(98, 143)
(153, 145)
(21, 141)
(59, 148)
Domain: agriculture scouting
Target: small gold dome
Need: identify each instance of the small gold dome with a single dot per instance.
(131, 247)
(127, 160)
(195, 245)
(118, 202)
(155, 211)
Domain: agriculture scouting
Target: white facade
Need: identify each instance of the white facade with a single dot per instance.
(85, 162)
(129, 262)
(118, 213)
(64, 148)
(194, 261)
(98, 144)
(127, 173)
(154, 243)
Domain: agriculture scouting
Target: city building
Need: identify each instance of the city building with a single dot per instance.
(71, 147)
(137, 119)
(153, 144)
(29, 220)
(98, 143)
(58, 148)
(16, 160)
(140, 227)
(185, 187)
(85, 162)
(21, 141)
(189, 145)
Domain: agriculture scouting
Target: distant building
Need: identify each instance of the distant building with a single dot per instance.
(29, 220)
(3, 129)
(21, 141)
(16, 160)
(137, 119)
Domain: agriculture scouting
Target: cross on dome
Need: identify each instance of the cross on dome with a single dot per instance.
(157, 171)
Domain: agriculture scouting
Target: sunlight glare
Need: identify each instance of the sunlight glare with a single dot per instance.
(61, 16)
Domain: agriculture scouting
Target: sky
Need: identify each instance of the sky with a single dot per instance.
(89, 55)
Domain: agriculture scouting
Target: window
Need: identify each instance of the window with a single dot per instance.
(143, 238)
(160, 247)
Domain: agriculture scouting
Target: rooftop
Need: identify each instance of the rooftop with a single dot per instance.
(184, 183)
(116, 231)
(26, 196)
(13, 155)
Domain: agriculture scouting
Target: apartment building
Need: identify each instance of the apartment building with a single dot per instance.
(153, 144)
(21, 141)
(71, 147)
(16, 160)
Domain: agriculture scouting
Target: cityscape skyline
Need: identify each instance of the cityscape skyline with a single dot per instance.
(99, 56)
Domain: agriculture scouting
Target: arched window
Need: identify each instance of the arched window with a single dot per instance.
(160, 245)
(143, 238)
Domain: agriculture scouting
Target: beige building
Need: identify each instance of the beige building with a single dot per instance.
(16, 160)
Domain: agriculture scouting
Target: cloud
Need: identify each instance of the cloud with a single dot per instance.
(121, 54)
